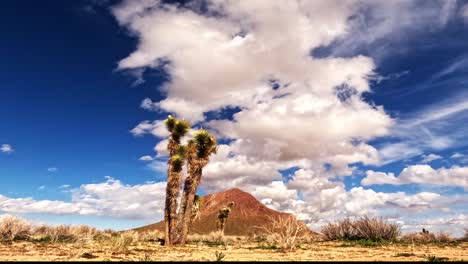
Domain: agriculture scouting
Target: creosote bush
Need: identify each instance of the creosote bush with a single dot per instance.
(364, 228)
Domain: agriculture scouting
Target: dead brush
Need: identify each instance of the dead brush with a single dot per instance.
(341, 230)
(376, 229)
(364, 228)
(285, 232)
(60, 233)
(14, 228)
(424, 238)
(66, 234)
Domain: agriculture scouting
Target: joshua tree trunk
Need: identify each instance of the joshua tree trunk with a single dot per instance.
(192, 219)
(171, 195)
(167, 208)
(221, 223)
(177, 128)
(199, 149)
(195, 212)
(223, 215)
(188, 197)
(172, 192)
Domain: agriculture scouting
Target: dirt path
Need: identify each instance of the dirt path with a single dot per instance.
(26, 251)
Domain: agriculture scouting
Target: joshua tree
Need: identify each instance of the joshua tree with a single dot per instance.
(195, 211)
(199, 150)
(177, 156)
(223, 215)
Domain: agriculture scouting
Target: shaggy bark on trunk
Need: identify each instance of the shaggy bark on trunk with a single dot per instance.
(188, 197)
(177, 128)
(199, 150)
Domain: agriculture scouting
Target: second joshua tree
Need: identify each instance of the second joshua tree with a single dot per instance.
(199, 150)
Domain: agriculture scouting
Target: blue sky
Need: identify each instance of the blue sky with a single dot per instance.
(72, 111)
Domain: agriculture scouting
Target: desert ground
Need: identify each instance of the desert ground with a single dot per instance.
(239, 250)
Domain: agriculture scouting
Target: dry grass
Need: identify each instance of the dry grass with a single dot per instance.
(124, 240)
(66, 234)
(284, 232)
(14, 228)
(465, 237)
(214, 238)
(25, 242)
(440, 237)
(365, 228)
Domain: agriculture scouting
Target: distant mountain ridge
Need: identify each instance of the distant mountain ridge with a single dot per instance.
(248, 214)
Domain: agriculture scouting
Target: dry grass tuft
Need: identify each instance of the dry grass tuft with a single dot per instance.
(124, 240)
(14, 228)
(366, 228)
(285, 232)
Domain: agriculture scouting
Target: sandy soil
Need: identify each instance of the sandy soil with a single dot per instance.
(26, 251)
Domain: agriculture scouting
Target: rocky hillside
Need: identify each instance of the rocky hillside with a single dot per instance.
(248, 214)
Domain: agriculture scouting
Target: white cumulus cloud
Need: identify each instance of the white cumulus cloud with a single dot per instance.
(6, 148)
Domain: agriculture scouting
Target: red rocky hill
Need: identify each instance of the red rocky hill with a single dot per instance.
(248, 214)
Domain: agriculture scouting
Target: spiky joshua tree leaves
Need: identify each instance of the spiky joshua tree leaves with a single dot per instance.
(199, 150)
(223, 215)
(177, 157)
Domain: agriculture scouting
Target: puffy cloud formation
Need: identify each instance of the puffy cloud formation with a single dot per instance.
(146, 201)
(156, 128)
(110, 198)
(6, 148)
(293, 109)
(424, 174)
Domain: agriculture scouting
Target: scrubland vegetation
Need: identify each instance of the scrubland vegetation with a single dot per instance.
(358, 239)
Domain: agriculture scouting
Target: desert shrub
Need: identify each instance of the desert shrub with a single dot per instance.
(341, 230)
(364, 228)
(66, 234)
(442, 237)
(465, 237)
(420, 237)
(125, 239)
(14, 228)
(214, 238)
(376, 229)
(61, 233)
(285, 232)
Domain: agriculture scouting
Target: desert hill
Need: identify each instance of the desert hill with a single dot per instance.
(248, 213)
